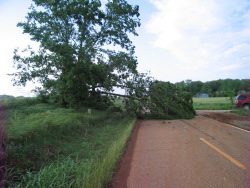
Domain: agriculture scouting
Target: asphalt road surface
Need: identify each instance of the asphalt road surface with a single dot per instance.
(185, 153)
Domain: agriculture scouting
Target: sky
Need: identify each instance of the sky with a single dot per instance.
(178, 40)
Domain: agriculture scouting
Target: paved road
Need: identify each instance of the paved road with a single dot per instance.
(186, 153)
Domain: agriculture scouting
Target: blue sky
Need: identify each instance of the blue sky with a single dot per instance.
(178, 39)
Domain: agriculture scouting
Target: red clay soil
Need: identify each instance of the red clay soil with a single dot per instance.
(122, 173)
(229, 118)
(2, 151)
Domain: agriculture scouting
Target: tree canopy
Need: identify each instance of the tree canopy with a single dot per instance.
(75, 63)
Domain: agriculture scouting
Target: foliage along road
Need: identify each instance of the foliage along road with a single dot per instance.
(185, 153)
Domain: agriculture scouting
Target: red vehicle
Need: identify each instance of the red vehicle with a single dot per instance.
(242, 100)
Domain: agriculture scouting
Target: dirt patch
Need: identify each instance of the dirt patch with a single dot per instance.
(229, 118)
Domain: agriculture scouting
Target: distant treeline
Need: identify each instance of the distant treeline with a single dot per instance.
(217, 88)
(10, 96)
(6, 96)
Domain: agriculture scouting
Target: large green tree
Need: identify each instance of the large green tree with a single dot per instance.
(75, 62)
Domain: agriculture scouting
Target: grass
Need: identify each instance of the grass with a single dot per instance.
(101, 175)
(55, 147)
(212, 103)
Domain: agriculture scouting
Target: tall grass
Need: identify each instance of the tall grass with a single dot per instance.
(94, 173)
(55, 147)
(104, 170)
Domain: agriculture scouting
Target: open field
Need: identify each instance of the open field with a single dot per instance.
(212, 103)
(49, 146)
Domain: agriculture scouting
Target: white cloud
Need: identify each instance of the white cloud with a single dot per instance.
(204, 36)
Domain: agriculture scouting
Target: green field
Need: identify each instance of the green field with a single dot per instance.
(212, 103)
(49, 146)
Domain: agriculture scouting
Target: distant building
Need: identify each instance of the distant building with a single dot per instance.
(202, 95)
